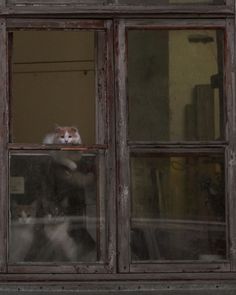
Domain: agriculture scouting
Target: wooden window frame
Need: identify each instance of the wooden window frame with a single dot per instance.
(111, 7)
(181, 148)
(104, 141)
(73, 16)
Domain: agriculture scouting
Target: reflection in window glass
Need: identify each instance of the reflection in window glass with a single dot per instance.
(53, 82)
(178, 207)
(54, 210)
(175, 85)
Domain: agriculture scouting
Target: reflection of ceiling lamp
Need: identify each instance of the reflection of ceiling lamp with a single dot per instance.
(196, 38)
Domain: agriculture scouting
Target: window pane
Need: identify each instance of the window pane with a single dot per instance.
(55, 207)
(53, 82)
(175, 85)
(178, 207)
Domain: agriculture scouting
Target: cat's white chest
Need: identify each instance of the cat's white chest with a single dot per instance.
(22, 236)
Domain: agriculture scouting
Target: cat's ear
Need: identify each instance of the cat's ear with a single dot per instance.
(57, 127)
(74, 129)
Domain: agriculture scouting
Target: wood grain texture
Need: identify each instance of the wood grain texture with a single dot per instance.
(123, 194)
(3, 144)
(124, 287)
(231, 134)
(180, 267)
(75, 8)
(111, 156)
(40, 23)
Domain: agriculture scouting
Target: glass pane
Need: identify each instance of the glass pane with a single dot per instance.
(53, 83)
(55, 207)
(175, 85)
(178, 207)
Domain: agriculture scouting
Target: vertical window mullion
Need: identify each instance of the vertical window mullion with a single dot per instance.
(3, 144)
(230, 132)
(123, 192)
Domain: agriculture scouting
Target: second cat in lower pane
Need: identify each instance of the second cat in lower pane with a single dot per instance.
(54, 210)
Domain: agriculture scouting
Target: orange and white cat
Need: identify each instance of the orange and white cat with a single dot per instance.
(63, 135)
(22, 230)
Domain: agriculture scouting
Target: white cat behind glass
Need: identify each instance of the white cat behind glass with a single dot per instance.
(57, 232)
(22, 231)
(63, 135)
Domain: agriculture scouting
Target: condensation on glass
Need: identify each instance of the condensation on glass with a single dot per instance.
(178, 207)
(175, 85)
(55, 212)
(53, 82)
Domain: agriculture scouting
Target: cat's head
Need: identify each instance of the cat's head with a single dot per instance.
(67, 135)
(23, 213)
(54, 209)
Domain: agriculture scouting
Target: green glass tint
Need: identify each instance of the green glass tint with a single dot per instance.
(55, 207)
(175, 85)
(178, 207)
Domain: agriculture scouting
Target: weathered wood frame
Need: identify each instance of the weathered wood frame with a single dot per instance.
(109, 7)
(125, 147)
(3, 143)
(119, 278)
(104, 141)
